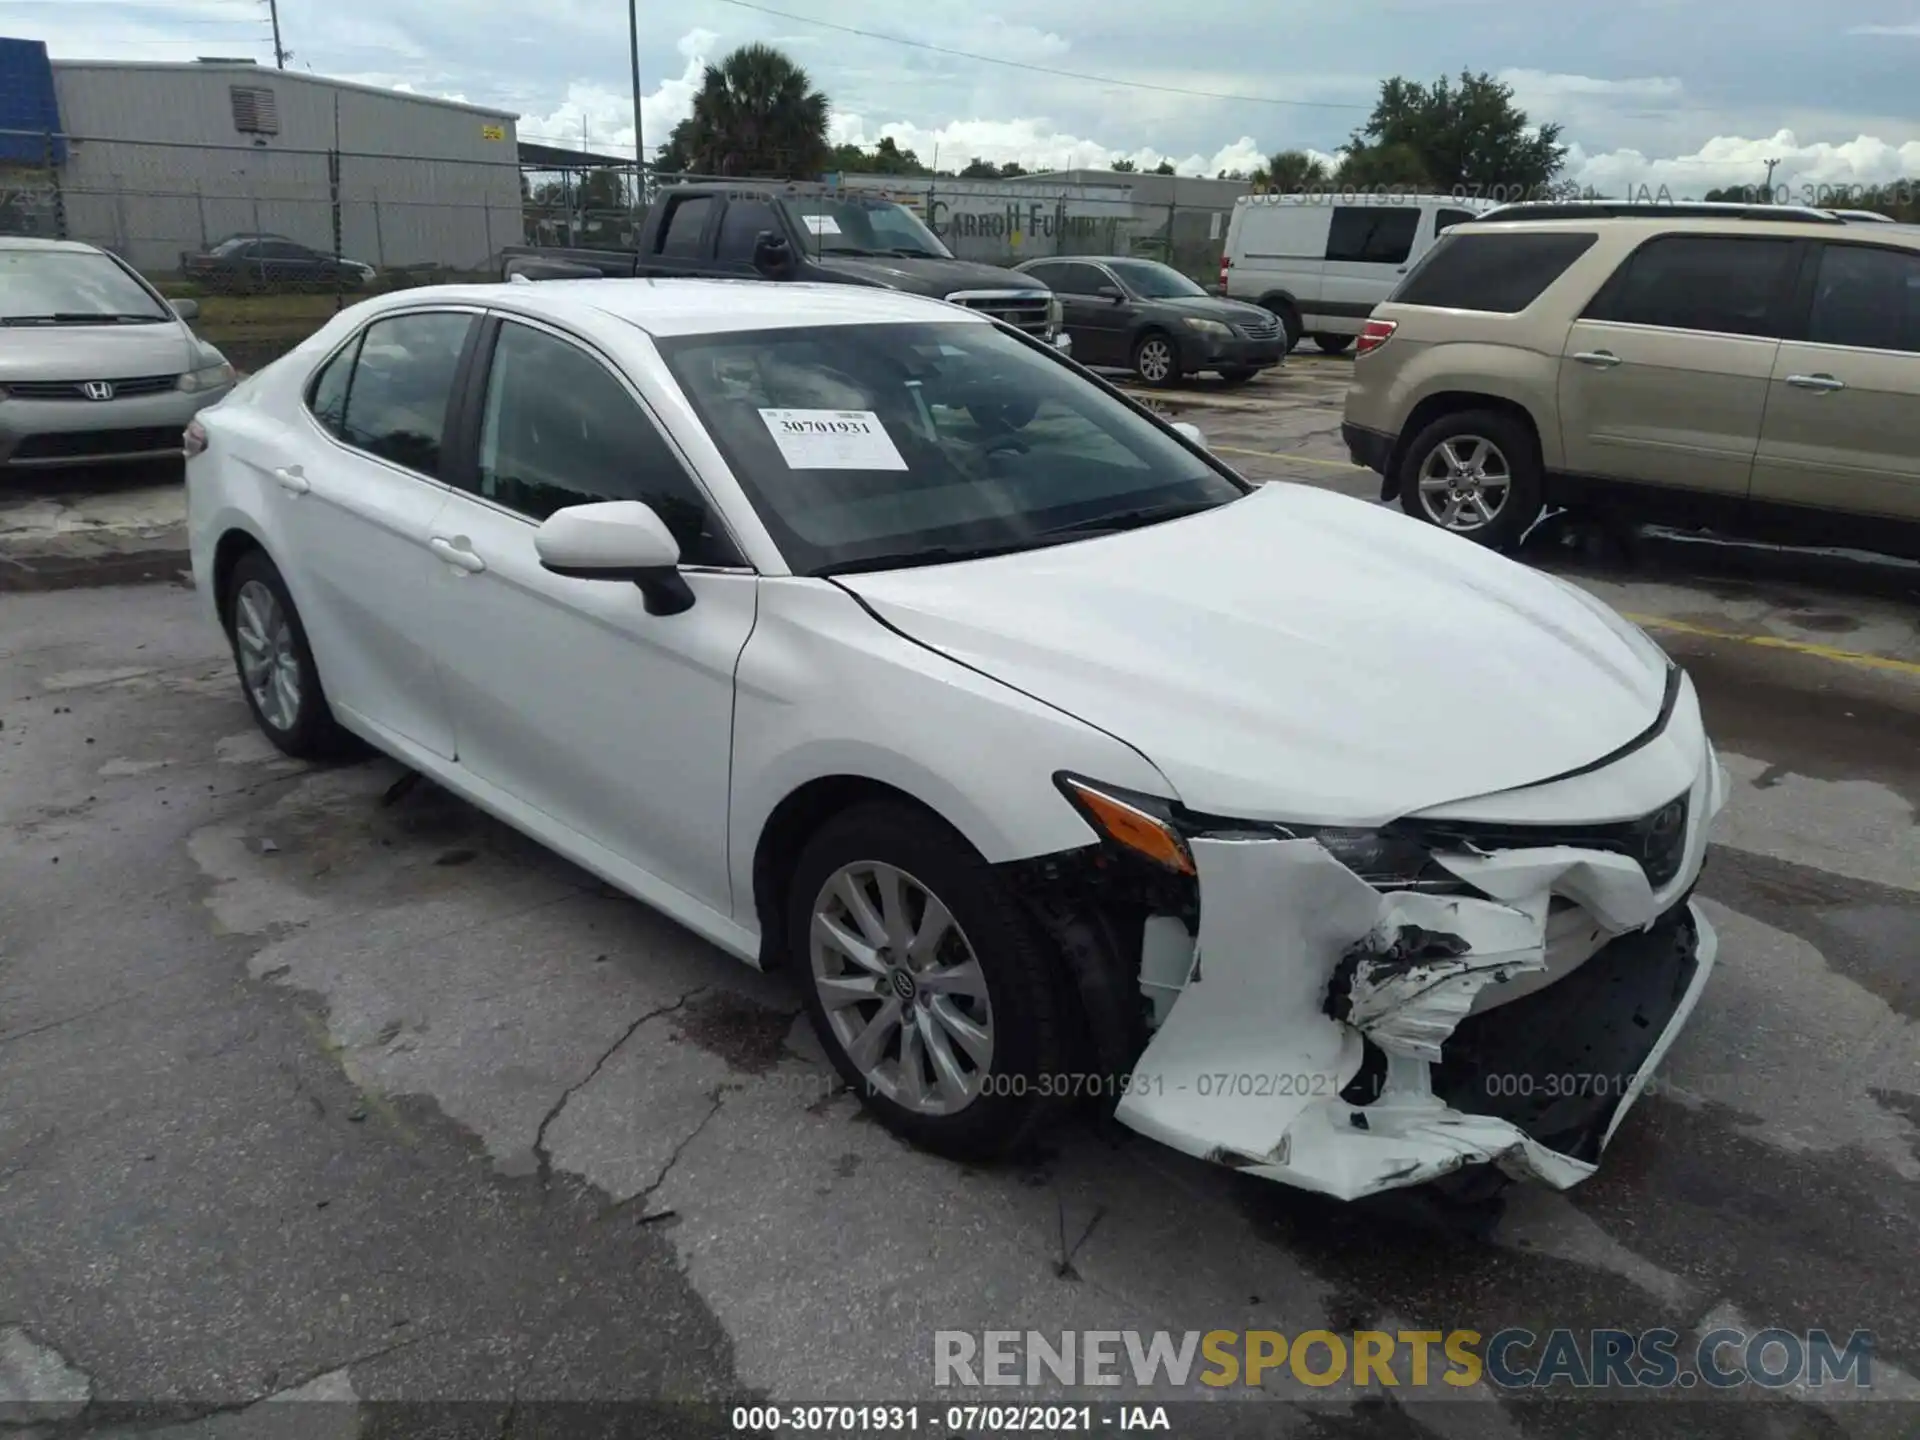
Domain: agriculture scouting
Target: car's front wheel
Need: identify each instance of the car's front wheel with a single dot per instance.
(932, 991)
(1473, 473)
(277, 673)
(1155, 360)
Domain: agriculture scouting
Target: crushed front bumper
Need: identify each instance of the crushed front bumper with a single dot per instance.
(1348, 1041)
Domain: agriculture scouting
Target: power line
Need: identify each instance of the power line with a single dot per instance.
(1044, 69)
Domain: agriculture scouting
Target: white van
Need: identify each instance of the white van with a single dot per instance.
(1322, 262)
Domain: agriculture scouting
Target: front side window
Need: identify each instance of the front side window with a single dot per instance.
(874, 446)
(1867, 298)
(1150, 280)
(861, 225)
(741, 225)
(72, 287)
(1447, 219)
(396, 401)
(1372, 234)
(558, 430)
(1724, 284)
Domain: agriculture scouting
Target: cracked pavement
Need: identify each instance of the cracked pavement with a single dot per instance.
(318, 1082)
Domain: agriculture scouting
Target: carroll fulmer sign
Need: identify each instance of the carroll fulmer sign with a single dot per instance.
(958, 211)
(1041, 219)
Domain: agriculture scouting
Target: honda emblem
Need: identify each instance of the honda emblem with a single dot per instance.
(97, 390)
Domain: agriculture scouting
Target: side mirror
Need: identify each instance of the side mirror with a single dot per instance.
(772, 255)
(1192, 432)
(1111, 292)
(186, 309)
(616, 540)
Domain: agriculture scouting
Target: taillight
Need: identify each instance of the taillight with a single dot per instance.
(1226, 262)
(1373, 335)
(195, 438)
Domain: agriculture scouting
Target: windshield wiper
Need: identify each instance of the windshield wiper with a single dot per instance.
(932, 555)
(1134, 519)
(82, 317)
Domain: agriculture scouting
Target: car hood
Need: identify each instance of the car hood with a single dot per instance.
(1205, 307)
(938, 278)
(95, 352)
(1297, 655)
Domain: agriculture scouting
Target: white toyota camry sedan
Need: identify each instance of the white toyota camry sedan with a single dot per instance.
(871, 640)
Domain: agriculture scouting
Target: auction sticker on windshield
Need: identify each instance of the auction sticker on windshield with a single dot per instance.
(822, 224)
(832, 440)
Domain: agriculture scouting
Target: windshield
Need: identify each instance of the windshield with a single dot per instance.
(875, 446)
(1150, 280)
(71, 287)
(861, 225)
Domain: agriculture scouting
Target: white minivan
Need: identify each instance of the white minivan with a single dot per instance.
(1322, 262)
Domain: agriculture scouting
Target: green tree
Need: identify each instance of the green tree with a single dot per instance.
(886, 158)
(1165, 167)
(1292, 171)
(755, 113)
(978, 169)
(1466, 133)
(1123, 166)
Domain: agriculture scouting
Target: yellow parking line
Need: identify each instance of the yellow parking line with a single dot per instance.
(1778, 642)
(1285, 455)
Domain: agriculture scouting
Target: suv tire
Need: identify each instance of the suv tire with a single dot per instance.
(1333, 344)
(1475, 473)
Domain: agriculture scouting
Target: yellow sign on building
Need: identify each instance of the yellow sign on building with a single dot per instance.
(493, 132)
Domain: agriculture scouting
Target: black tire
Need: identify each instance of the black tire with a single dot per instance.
(1289, 319)
(313, 733)
(1519, 451)
(1022, 978)
(1148, 348)
(1333, 344)
(1239, 375)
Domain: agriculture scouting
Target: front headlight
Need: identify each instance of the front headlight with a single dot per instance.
(206, 377)
(1208, 327)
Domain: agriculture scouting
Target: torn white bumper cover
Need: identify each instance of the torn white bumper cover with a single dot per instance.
(1348, 1041)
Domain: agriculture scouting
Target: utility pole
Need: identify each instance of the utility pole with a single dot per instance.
(279, 53)
(639, 142)
(1770, 165)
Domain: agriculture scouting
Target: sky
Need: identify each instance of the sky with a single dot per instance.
(1685, 94)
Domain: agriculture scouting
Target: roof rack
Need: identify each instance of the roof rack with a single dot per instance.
(1627, 210)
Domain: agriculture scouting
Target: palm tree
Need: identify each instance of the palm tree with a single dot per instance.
(1292, 172)
(756, 114)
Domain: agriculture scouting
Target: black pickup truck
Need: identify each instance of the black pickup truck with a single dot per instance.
(800, 232)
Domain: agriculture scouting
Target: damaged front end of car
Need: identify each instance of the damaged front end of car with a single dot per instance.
(1353, 1011)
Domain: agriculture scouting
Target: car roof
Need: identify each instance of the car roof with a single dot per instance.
(1906, 235)
(696, 307)
(39, 242)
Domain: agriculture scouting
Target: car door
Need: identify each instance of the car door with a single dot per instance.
(1663, 380)
(1842, 427)
(681, 245)
(1097, 324)
(567, 694)
(742, 223)
(1368, 250)
(358, 488)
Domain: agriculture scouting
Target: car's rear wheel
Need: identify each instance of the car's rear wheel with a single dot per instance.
(1473, 473)
(277, 673)
(1239, 374)
(932, 991)
(1333, 344)
(1155, 360)
(1289, 319)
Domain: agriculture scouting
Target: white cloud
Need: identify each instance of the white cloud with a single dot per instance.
(1810, 172)
(1910, 30)
(598, 118)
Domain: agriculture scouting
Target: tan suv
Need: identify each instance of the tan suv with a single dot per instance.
(1751, 369)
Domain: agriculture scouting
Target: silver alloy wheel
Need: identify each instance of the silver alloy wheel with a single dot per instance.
(1464, 483)
(1155, 360)
(902, 988)
(269, 665)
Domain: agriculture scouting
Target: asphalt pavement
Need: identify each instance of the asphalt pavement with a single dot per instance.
(317, 1084)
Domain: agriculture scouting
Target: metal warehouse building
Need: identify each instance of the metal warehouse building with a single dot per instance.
(164, 159)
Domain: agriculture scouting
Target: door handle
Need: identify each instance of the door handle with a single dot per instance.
(1822, 382)
(1599, 359)
(292, 479)
(456, 555)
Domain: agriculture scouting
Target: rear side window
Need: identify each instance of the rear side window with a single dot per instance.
(327, 398)
(1724, 284)
(1373, 234)
(1866, 298)
(686, 222)
(1501, 274)
(396, 403)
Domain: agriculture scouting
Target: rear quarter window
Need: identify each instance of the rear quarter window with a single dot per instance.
(1500, 274)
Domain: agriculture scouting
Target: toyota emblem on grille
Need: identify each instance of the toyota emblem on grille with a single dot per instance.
(97, 390)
